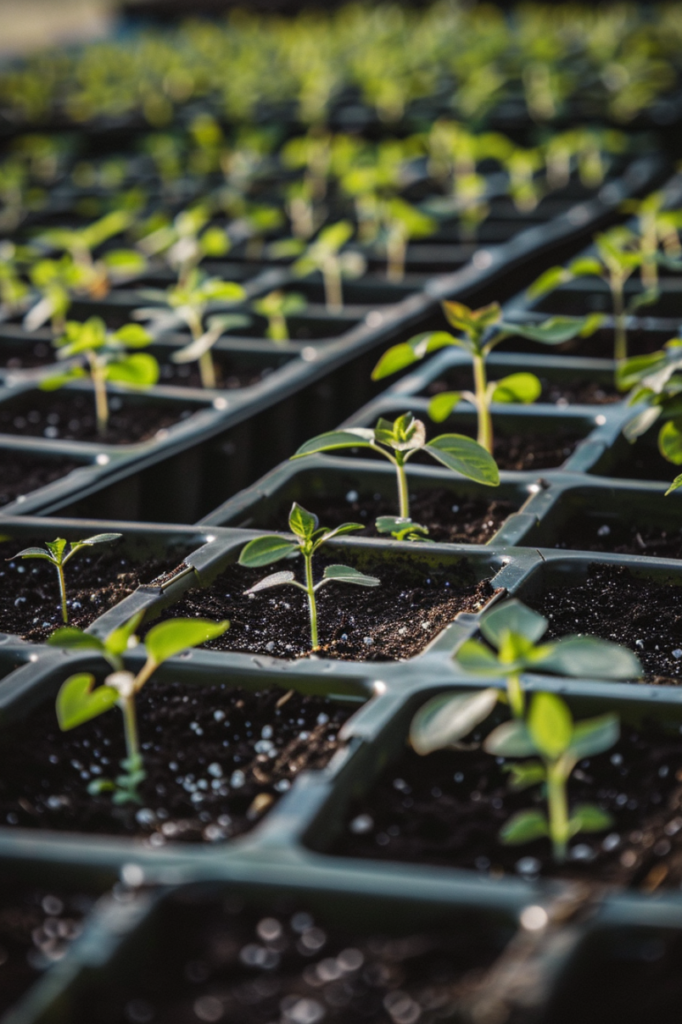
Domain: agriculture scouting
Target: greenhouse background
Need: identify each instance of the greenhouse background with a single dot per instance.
(340, 512)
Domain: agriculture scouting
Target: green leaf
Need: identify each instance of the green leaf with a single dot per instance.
(548, 282)
(554, 331)
(475, 657)
(133, 336)
(524, 774)
(346, 574)
(675, 485)
(589, 818)
(645, 298)
(117, 642)
(595, 735)
(33, 553)
(78, 702)
(395, 525)
(100, 538)
(72, 637)
(465, 456)
(512, 617)
(266, 550)
(56, 548)
(511, 739)
(670, 441)
(139, 371)
(400, 356)
(277, 579)
(124, 262)
(60, 379)
(550, 725)
(446, 719)
(355, 437)
(586, 266)
(639, 424)
(524, 827)
(517, 387)
(214, 242)
(590, 657)
(302, 522)
(338, 531)
(442, 405)
(175, 635)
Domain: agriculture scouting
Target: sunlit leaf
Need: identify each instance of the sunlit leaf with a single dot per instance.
(175, 635)
(78, 702)
(446, 719)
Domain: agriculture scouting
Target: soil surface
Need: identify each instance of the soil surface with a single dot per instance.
(554, 392)
(21, 473)
(450, 519)
(448, 807)
(97, 578)
(32, 353)
(216, 761)
(611, 603)
(583, 533)
(70, 416)
(538, 451)
(36, 928)
(186, 375)
(216, 962)
(391, 622)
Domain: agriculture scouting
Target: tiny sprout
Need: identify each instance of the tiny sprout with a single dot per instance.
(324, 254)
(399, 441)
(276, 307)
(78, 702)
(54, 552)
(401, 529)
(106, 359)
(551, 734)
(480, 331)
(309, 538)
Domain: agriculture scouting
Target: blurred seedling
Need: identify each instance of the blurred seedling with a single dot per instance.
(276, 306)
(324, 255)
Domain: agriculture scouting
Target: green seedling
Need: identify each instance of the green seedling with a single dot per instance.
(106, 359)
(551, 735)
(309, 538)
(481, 330)
(189, 303)
(324, 255)
(276, 307)
(14, 292)
(186, 242)
(56, 282)
(653, 383)
(79, 701)
(56, 553)
(657, 226)
(524, 187)
(399, 442)
(401, 222)
(618, 255)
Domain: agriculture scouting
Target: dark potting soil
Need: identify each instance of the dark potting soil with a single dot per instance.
(37, 925)
(391, 622)
(21, 473)
(583, 533)
(559, 393)
(535, 451)
(71, 417)
(447, 808)
(216, 961)
(216, 760)
(96, 579)
(450, 519)
(31, 353)
(611, 603)
(186, 375)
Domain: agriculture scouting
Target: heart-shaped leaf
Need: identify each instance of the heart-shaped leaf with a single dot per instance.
(78, 702)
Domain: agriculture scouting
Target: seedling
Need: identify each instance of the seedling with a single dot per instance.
(276, 307)
(401, 222)
(309, 538)
(618, 256)
(189, 303)
(652, 383)
(324, 254)
(402, 440)
(185, 242)
(106, 358)
(79, 700)
(481, 330)
(551, 735)
(513, 632)
(656, 225)
(54, 552)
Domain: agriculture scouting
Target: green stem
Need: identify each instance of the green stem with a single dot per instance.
(403, 492)
(620, 350)
(558, 810)
(62, 594)
(485, 421)
(277, 327)
(397, 252)
(100, 387)
(331, 273)
(515, 695)
(312, 603)
(134, 757)
(207, 370)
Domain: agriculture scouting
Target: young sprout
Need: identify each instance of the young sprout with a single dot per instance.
(14, 292)
(54, 552)
(276, 307)
(401, 222)
(618, 255)
(189, 303)
(55, 281)
(79, 700)
(656, 226)
(105, 358)
(399, 442)
(551, 735)
(309, 538)
(481, 330)
(185, 242)
(524, 188)
(324, 255)
(652, 383)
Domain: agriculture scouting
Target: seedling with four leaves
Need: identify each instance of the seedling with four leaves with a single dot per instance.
(56, 553)
(480, 331)
(79, 701)
(105, 358)
(309, 539)
(399, 442)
